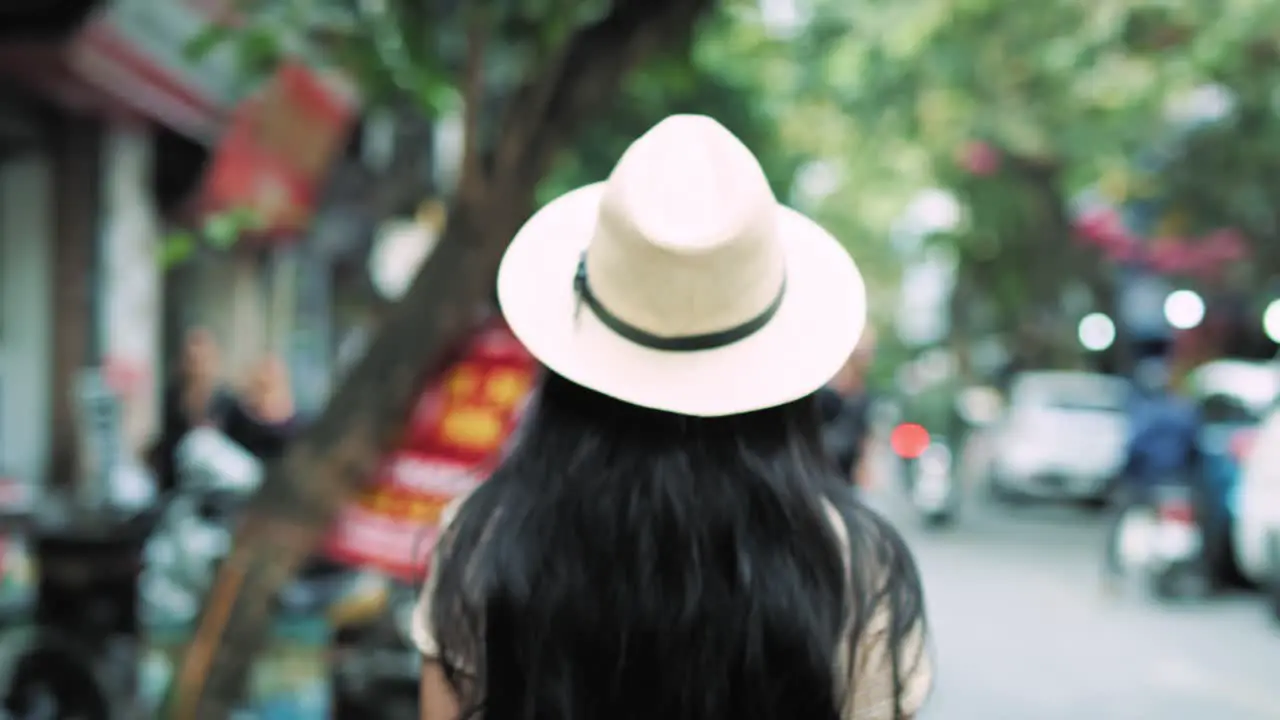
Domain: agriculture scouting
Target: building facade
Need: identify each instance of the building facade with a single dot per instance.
(108, 138)
(26, 307)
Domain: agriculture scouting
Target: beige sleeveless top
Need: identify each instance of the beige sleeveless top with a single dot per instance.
(872, 672)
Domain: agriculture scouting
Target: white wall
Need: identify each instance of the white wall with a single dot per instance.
(26, 315)
(133, 297)
(225, 293)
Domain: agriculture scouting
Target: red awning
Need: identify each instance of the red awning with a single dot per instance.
(103, 58)
(130, 58)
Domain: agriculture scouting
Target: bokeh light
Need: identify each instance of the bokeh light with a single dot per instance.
(1184, 309)
(909, 440)
(1097, 332)
(1271, 321)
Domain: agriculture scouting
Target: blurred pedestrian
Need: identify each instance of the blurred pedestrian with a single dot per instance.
(666, 538)
(1161, 453)
(260, 419)
(195, 396)
(845, 406)
(263, 419)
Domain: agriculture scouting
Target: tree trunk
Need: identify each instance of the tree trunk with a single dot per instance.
(337, 455)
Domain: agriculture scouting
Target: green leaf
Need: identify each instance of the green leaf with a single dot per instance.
(434, 93)
(258, 51)
(222, 230)
(247, 219)
(206, 41)
(177, 248)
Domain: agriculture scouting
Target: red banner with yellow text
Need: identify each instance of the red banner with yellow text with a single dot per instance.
(454, 438)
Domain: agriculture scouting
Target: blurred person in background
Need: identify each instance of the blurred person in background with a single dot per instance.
(1161, 451)
(261, 419)
(194, 397)
(845, 407)
(666, 538)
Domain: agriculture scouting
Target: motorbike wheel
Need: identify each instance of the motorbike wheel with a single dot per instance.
(1180, 582)
(938, 520)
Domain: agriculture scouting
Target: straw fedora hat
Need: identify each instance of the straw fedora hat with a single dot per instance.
(680, 283)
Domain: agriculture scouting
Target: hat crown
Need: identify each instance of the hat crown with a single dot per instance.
(686, 239)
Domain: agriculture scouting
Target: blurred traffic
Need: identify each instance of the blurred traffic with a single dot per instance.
(1027, 526)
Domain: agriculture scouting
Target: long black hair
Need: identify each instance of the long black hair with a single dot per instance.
(626, 563)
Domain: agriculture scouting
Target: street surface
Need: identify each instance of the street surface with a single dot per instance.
(1022, 631)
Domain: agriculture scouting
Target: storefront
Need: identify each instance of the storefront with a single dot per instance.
(83, 286)
(25, 295)
(79, 219)
(265, 166)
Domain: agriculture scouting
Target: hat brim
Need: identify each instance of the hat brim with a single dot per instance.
(803, 346)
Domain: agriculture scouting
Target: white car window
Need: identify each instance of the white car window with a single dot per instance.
(1070, 391)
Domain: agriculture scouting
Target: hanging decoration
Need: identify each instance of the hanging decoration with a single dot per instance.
(1204, 256)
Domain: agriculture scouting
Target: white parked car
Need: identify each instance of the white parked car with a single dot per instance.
(1256, 505)
(1063, 435)
(1252, 385)
(1235, 398)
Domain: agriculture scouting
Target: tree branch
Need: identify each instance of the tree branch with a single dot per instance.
(473, 87)
(593, 64)
(337, 455)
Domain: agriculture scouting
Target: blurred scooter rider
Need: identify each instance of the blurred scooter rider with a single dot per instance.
(1161, 450)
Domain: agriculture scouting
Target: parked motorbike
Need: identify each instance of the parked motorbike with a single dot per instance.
(376, 670)
(70, 649)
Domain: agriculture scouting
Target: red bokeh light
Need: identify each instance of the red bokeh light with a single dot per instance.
(909, 440)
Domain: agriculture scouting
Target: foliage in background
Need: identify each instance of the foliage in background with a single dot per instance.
(217, 231)
(1059, 99)
(746, 78)
(722, 77)
(1223, 175)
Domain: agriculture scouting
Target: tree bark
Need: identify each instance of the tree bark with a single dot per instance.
(336, 456)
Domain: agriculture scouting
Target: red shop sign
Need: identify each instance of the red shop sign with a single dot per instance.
(278, 148)
(456, 436)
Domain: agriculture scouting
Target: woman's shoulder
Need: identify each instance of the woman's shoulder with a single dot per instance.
(890, 633)
(424, 637)
(839, 526)
(882, 569)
